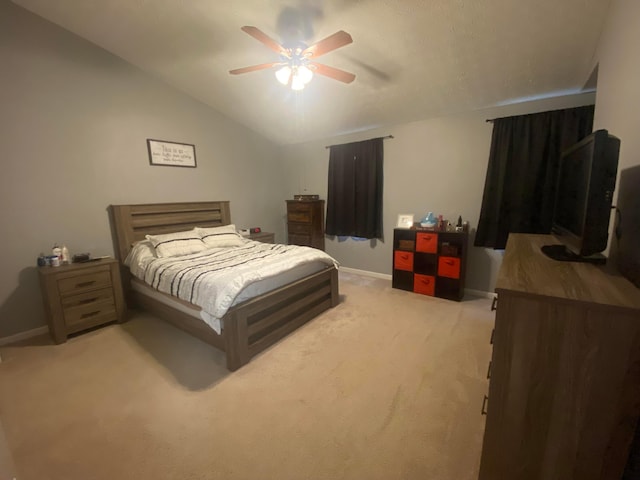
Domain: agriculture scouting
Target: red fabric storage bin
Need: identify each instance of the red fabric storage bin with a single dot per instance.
(427, 242)
(449, 267)
(403, 260)
(424, 284)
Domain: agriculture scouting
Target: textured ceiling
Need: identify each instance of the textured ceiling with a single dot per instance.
(413, 59)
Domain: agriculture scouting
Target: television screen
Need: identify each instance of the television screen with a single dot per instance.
(572, 189)
(585, 185)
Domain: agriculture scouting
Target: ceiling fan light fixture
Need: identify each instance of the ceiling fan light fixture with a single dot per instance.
(297, 64)
(297, 76)
(283, 74)
(304, 73)
(297, 83)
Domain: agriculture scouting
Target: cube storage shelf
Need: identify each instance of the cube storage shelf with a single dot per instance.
(430, 262)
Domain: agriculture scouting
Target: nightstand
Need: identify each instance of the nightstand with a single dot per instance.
(79, 296)
(264, 237)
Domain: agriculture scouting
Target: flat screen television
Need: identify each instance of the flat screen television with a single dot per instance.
(584, 192)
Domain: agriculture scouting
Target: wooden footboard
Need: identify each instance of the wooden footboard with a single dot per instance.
(256, 324)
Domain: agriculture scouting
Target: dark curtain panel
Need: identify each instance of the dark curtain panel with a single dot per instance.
(519, 190)
(354, 198)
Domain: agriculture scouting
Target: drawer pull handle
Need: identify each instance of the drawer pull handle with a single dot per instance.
(489, 370)
(492, 333)
(494, 304)
(90, 314)
(87, 300)
(449, 262)
(85, 284)
(484, 405)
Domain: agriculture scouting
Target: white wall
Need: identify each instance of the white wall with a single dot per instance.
(618, 97)
(75, 120)
(434, 165)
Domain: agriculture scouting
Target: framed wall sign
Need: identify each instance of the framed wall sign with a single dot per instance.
(171, 154)
(405, 220)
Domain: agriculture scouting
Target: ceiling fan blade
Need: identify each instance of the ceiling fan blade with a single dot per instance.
(332, 72)
(265, 39)
(332, 42)
(254, 68)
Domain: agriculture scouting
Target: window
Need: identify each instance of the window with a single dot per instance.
(519, 191)
(354, 198)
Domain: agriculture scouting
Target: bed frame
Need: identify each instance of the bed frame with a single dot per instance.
(249, 327)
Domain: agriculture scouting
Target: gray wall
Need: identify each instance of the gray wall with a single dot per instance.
(75, 120)
(434, 165)
(618, 98)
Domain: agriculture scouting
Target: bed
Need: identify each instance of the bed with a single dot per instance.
(248, 327)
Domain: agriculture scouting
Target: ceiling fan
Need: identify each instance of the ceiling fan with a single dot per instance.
(297, 66)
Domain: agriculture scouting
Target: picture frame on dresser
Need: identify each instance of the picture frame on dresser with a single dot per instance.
(405, 220)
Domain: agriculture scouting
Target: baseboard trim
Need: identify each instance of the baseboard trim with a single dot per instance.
(479, 293)
(384, 276)
(366, 273)
(23, 335)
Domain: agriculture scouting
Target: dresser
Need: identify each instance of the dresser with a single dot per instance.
(564, 388)
(430, 262)
(81, 296)
(305, 223)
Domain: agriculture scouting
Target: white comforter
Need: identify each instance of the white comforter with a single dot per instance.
(213, 279)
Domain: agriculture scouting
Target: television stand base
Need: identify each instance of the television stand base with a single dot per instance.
(563, 254)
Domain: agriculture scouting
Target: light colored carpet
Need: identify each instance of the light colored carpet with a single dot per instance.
(388, 385)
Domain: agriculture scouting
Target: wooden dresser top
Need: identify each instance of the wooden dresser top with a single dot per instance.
(526, 270)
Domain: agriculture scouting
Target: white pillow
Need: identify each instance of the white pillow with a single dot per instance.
(177, 244)
(141, 254)
(225, 236)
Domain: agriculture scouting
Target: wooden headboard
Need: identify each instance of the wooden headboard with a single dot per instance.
(130, 223)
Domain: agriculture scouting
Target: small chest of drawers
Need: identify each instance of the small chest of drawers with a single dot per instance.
(305, 223)
(81, 296)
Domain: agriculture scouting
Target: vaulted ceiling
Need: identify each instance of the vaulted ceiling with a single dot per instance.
(413, 59)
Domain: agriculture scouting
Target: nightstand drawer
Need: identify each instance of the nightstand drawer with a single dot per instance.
(85, 316)
(82, 283)
(87, 298)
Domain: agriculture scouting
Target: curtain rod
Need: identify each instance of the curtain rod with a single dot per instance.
(490, 120)
(329, 146)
